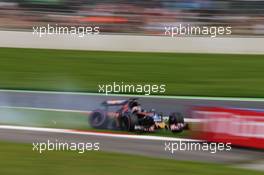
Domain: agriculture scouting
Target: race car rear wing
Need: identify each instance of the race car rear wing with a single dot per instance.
(117, 102)
(114, 102)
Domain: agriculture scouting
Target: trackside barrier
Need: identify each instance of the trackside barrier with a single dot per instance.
(241, 127)
(103, 42)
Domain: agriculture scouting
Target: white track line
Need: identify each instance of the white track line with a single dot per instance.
(113, 135)
(142, 96)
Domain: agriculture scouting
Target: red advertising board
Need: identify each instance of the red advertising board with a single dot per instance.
(242, 127)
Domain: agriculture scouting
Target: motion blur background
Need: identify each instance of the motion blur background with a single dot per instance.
(135, 17)
(196, 73)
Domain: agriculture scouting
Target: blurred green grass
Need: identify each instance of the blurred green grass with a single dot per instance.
(64, 120)
(20, 159)
(184, 74)
(40, 118)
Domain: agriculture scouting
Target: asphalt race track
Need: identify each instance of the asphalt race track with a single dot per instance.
(153, 148)
(124, 145)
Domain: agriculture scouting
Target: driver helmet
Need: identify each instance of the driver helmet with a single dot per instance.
(136, 109)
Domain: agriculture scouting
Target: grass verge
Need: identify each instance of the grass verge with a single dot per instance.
(183, 74)
(20, 159)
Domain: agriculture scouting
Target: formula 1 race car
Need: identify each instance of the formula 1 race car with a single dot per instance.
(129, 116)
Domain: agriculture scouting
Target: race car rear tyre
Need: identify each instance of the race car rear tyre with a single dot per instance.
(133, 122)
(128, 122)
(98, 120)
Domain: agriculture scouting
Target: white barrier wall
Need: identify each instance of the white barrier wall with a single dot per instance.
(133, 43)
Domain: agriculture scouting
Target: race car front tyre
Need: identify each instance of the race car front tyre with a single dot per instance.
(176, 122)
(176, 118)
